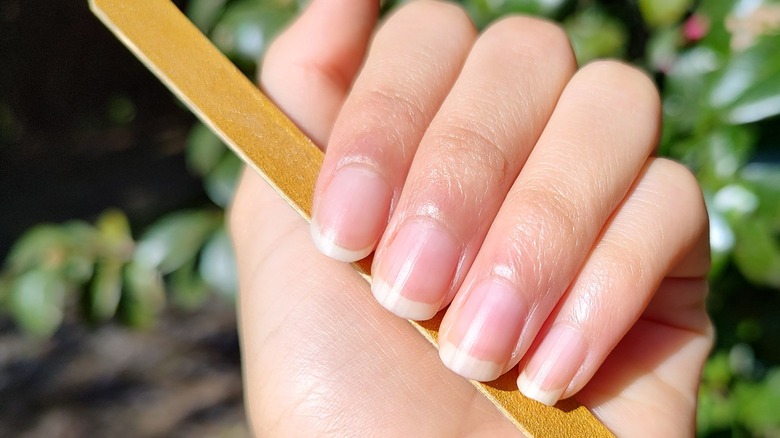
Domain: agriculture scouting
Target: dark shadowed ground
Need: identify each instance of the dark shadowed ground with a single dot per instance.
(84, 127)
(181, 378)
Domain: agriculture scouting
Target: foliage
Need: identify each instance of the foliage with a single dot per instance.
(717, 66)
(105, 272)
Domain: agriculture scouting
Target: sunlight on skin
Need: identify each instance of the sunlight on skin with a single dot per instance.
(320, 352)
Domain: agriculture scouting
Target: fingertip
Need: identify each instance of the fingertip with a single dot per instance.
(316, 59)
(326, 244)
(351, 213)
(391, 299)
(553, 365)
(462, 363)
(531, 389)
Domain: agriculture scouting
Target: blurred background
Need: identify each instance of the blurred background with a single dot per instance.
(117, 282)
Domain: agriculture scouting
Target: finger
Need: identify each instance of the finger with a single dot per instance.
(582, 167)
(466, 162)
(656, 368)
(414, 59)
(315, 343)
(308, 70)
(659, 225)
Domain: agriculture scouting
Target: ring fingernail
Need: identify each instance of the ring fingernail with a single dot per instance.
(553, 365)
(416, 271)
(485, 332)
(351, 214)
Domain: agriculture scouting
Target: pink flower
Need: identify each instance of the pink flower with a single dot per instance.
(695, 28)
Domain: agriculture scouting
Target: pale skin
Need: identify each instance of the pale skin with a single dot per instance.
(490, 175)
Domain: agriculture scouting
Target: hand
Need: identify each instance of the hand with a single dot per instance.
(488, 172)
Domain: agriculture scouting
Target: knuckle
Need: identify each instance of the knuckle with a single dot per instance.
(677, 178)
(622, 263)
(532, 36)
(547, 230)
(392, 104)
(554, 212)
(451, 14)
(466, 146)
(616, 90)
(683, 185)
(617, 80)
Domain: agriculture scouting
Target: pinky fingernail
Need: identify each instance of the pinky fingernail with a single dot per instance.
(553, 365)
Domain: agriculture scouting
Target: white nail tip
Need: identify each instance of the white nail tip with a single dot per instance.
(326, 245)
(396, 303)
(531, 389)
(468, 366)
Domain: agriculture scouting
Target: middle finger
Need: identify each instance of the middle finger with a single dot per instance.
(466, 162)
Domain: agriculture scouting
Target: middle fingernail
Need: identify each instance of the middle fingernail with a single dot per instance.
(416, 271)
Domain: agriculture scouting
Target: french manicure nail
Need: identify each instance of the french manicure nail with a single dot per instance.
(480, 341)
(416, 270)
(351, 214)
(553, 365)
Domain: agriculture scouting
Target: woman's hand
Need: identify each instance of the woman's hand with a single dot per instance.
(489, 174)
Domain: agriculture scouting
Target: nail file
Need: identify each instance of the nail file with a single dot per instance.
(258, 132)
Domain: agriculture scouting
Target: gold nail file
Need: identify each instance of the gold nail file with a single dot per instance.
(233, 107)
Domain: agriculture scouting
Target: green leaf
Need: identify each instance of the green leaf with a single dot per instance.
(43, 245)
(716, 410)
(204, 150)
(747, 89)
(220, 183)
(175, 239)
(722, 241)
(717, 370)
(718, 38)
(663, 12)
(37, 300)
(247, 27)
(105, 290)
(68, 248)
(114, 227)
(596, 34)
(144, 295)
(218, 264)
(764, 180)
(121, 110)
(662, 49)
(717, 155)
(188, 290)
(204, 13)
(758, 402)
(686, 87)
(6, 281)
(485, 11)
(735, 201)
(757, 252)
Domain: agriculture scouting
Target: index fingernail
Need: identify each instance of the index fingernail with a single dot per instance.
(351, 214)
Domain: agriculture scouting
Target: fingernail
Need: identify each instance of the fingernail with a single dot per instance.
(416, 270)
(553, 365)
(351, 214)
(485, 331)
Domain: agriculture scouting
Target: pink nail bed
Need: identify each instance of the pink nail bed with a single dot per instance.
(416, 271)
(351, 214)
(485, 331)
(553, 365)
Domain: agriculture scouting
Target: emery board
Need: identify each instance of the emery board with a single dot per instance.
(225, 100)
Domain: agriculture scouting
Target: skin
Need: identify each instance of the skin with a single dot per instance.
(583, 255)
